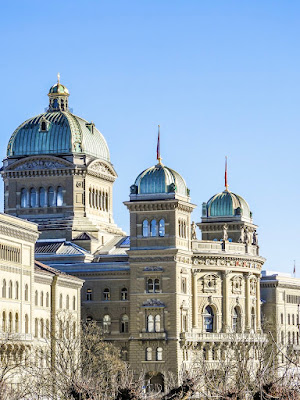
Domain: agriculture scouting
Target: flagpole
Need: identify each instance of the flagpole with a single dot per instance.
(158, 146)
(294, 272)
(226, 183)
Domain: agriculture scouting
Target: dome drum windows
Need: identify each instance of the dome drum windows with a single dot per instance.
(99, 199)
(182, 231)
(153, 322)
(153, 228)
(153, 285)
(42, 197)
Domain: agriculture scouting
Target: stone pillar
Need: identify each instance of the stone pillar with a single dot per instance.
(248, 303)
(258, 322)
(195, 300)
(225, 302)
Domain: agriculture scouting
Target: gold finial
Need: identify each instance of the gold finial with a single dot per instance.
(58, 78)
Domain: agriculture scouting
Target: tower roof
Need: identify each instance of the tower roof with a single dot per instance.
(227, 204)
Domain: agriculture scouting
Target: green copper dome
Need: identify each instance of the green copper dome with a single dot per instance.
(159, 179)
(57, 132)
(227, 204)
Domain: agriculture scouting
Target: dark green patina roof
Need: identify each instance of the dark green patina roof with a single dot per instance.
(227, 204)
(66, 133)
(160, 179)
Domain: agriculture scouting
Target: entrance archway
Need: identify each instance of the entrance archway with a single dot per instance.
(154, 382)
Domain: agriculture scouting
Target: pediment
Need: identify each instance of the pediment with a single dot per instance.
(102, 169)
(39, 163)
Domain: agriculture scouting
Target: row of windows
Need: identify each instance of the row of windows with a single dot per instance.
(42, 197)
(98, 199)
(158, 354)
(67, 303)
(153, 228)
(182, 232)
(292, 337)
(10, 290)
(11, 323)
(153, 323)
(10, 253)
(291, 298)
(41, 328)
(292, 319)
(106, 294)
(36, 299)
(106, 322)
(236, 322)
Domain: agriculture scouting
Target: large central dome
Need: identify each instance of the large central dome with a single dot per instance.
(57, 132)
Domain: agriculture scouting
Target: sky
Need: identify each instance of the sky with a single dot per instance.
(222, 78)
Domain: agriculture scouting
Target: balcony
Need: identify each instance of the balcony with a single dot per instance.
(209, 246)
(153, 335)
(15, 337)
(215, 337)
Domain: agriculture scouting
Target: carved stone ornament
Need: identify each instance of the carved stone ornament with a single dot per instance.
(160, 269)
(210, 283)
(40, 164)
(153, 303)
(253, 286)
(236, 283)
(101, 168)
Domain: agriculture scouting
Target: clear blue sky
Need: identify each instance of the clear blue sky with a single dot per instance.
(220, 77)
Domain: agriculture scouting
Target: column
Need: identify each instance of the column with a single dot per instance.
(195, 300)
(248, 304)
(258, 322)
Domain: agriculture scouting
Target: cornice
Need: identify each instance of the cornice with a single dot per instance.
(18, 234)
(227, 261)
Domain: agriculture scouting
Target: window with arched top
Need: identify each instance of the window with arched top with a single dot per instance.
(10, 322)
(208, 319)
(150, 285)
(157, 323)
(51, 197)
(42, 299)
(150, 323)
(4, 288)
(106, 294)
(47, 299)
(47, 329)
(106, 202)
(43, 126)
(42, 328)
(236, 320)
(33, 202)
(74, 330)
(26, 324)
(67, 302)
(26, 294)
(89, 294)
(24, 198)
(153, 228)
(74, 303)
(149, 354)
(36, 298)
(60, 197)
(96, 199)
(253, 318)
(145, 228)
(17, 290)
(106, 323)
(159, 353)
(156, 285)
(4, 321)
(161, 228)
(124, 294)
(10, 290)
(60, 301)
(124, 323)
(42, 197)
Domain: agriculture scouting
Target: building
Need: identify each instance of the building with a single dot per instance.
(160, 292)
(32, 293)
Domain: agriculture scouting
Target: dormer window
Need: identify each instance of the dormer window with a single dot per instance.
(44, 124)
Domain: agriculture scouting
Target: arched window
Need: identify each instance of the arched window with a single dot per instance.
(42, 299)
(60, 197)
(17, 290)
(157, 323)
(179, 228)
(150, 323)
(10, 290)
(42, 197)
(74, 303)
(293, 337)
(161, 227)
(51, 197)
(47, 299)
(93, 198)
(106, 294)
(236, 323)
(124, 294)
(90, 197)
(184, 229)
(184, 321)
(47, 329)
(36, 327)
(106, 323)
(4, 288)
(61, 301)
(253, 318)
(100, 200)
(106, 202)
(150, 285)
(153, 228)
(156, 285)
(43, 126)
(26, 324)
(289, 337)
(24, 201)
(124, 354)
(36, 299)
(26, 293)
(208, 319)
(74, 330)
(42, 328)
(103, 201)
(89, 295)
(96, 199)
(33, 197)
(124, 324)
(145, 228)
(10, 322)
(148, 354)
(67, 302)
(17, 323)
(159, 352)
(4, 321)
